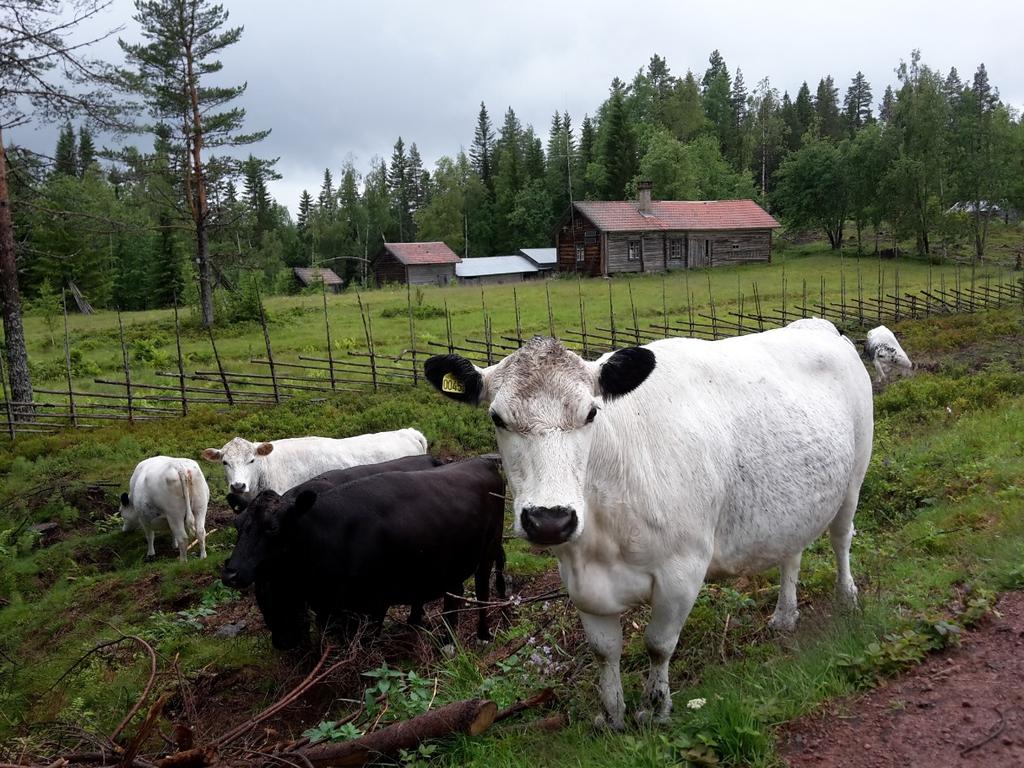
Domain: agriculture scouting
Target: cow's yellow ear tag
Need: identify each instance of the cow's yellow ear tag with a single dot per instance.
(451, 384)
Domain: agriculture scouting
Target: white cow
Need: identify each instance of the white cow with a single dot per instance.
(656, 467)
(251, 468)
(165, 490)
(887, 354)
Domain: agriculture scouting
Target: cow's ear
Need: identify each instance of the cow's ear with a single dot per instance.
(125, 501)
(624, 371)
(264, 448)
(455, 377)
(304, 502)
(212, 454)
(237, 503)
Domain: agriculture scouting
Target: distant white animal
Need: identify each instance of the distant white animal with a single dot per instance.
(251, 468)
(882, 348)
(657, 466)
(167, 491)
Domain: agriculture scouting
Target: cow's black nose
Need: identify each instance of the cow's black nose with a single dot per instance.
(549, 525)
(238, 487)
(229, 576)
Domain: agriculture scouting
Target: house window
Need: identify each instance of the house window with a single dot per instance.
(579, 251)
(675, 249)
(633, 254)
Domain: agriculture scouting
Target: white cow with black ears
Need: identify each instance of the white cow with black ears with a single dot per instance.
(251, 468)
(658, 466)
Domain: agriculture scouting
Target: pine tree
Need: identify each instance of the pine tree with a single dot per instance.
(66, 155)
(255, 173)
(481, 153)
(953, 87)
(171, 72)
(716, 67)
(533, 155)
(86, 150)
(857, 104)
(826, 109)
(419, 182)
(586, 156)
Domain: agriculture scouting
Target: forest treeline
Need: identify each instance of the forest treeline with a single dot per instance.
(124, 224)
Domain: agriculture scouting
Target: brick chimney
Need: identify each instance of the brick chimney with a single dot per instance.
(643, 196)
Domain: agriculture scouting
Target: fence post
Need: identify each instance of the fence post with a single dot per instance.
(220, 368)
(611, 316)
(448, 327)
(714, 312)
(412, 333)
(181, 360)
(327, 326)
(127, 368)
(7, 400)
(369, 341)
(583, 316)
(551, 317)
(757, 308)
(266, 340)
(632, 311)
(67, 359)
(664, 308)
(519, 325)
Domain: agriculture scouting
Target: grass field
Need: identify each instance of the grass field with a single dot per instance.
(297, 322)
(939, 530)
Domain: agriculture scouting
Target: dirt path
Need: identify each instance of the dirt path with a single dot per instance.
(964, 707)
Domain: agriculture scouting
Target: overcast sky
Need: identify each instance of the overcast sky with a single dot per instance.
(335, 80)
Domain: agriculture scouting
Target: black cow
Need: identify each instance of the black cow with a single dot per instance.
(394, 538)
(336, 477)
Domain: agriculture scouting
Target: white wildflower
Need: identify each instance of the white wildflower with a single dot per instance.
(696, 703)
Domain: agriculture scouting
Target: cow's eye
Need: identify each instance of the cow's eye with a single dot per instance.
(224, 463)
(498, 421)
(252, 460)
(592, 415)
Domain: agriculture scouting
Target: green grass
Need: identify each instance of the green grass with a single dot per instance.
(297, 322)
(939, 517)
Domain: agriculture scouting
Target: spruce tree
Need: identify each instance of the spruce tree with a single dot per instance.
(65, 157)
(305, 209)
(400, 192)
(419, 182)
(533, 155)
(586, 156)
(739, 139)
(804, 109)
(953, 87)
(887, 111)
(325, 201)
(718, 105)
(86, 150)
(826, 109)
(618, 149)
(857, 104)
(481, 153)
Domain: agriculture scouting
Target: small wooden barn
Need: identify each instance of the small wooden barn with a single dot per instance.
(643, 235)
(308, 276)
(415, 264)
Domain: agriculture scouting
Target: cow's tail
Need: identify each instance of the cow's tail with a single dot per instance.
(185, 479)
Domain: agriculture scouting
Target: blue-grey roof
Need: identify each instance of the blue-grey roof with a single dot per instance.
(494, 265)
(542, 257)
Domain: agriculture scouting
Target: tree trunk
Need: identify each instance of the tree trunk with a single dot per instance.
(200, 205)
(14, 332)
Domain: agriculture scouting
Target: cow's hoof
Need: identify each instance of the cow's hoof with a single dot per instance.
(603, 723)
(784, 622)
(652, 717)
(847, 597)
(149, 558)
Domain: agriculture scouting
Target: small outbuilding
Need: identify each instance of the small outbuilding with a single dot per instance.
(308, 276)
(415, 264)
(492, 270)
(546, 259)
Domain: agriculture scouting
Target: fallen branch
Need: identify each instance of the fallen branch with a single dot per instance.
(145, 691)
(144, 730)
(1000, 727)
(539, 699)
(471, 717)
(190, 758)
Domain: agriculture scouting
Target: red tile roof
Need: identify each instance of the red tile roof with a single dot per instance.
(310, 275)
(623, 216)
(422, 253)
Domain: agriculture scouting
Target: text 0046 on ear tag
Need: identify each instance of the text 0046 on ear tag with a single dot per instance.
(451, 384)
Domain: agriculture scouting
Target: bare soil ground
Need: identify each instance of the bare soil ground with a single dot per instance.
(962, 708)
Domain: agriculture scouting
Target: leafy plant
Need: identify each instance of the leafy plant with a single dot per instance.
(332, 730)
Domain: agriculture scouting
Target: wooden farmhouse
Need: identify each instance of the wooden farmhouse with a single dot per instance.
(601, 238)
(415, 264)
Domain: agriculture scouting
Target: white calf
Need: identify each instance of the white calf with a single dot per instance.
(251, 468)
(167, 491)
(887, 354)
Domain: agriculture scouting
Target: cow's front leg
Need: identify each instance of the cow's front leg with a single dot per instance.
(669, 609)
(604, 634)
(150, 550)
